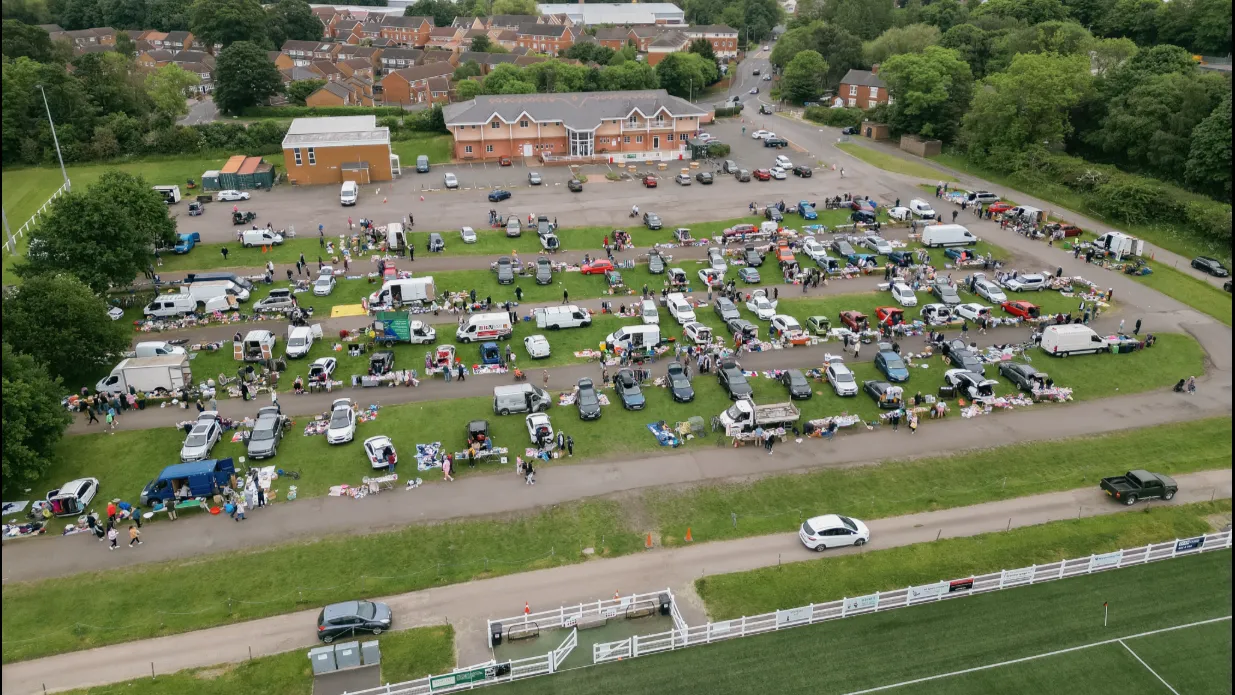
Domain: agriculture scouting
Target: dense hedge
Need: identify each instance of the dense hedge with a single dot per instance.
(724, 112)
(839, 118)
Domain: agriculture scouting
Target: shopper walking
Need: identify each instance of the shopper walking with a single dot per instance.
(570, 445)
(112, 535)
(913, 423)
(90, 414)
(545, 378)
(1136, 330)
(565, 297)
(447, 469)
(239, 516)
(134, 536)
(896, 420)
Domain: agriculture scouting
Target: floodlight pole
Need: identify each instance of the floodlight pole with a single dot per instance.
(55, 139)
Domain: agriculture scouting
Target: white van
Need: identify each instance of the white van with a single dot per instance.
(679, 308)
(520, 398)
(635, 337)
(300, 339)
(1027, 214)
(921, 208)
(480, 327)
(569, 316)
(260, 237)
(937, 235)
(348, 193)
(403, 291)
(256, 346)
(171, 304)
(1072, 339)
(205, 291)
(396, 238)
(648, 312)
(157, 348)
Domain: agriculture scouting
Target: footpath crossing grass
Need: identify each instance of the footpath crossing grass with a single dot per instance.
(45, 613)
(931, 641)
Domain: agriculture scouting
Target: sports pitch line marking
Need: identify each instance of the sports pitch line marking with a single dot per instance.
(1047, 654)
(1147, 668)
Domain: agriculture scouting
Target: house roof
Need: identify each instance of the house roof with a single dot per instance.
(444, 32)
(92, 48)
(335, 89)
(486, 58)
(863, 78)
(437, 56)
(336, 131)
(409, 22)
(357, 63)
(161, 55)
(439, 84)
(50, 28)
(509, 20)
(670, 40)
(647, 32)
(197, 68)
(192, 57)
(616, 13)
(506, 35)
(412, 54)
(307, 46)
(178, 36)
(422, 72)
(612, 33)
(577, 110)
(554, 30)
(273, 55)
(711, 29)
(326, 67)
(298, 73)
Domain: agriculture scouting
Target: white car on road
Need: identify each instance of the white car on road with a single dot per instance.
(814, 249)
(901, 213)
(450, 181)
(989, 291)
(778, 173)
(973, 311)
(762, 134)
(1026, 283)
(229, 196)
(468, 234)
(904, 295)
(783, 162)
(841, 379)
(342, 427)
(537, 346)
(833, 531)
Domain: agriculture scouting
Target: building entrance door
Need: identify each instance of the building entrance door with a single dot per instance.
(581, 144)
(656, 142)
(527, 150)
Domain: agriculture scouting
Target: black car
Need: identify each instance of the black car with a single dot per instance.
(743, 327)
(849, 130)
(656, 262)
(350, 618)
(795, 381)
(628, 391)
(725, 309)
(842, 248)
(752, 257)
(475, 429)
(587, 401)
(544, 271)
(1210, 265)
(505, 271)
(961, 357)
(1021, 374)
(731, 378)
(903, 259)
(776, 142)
(863, 216)
(679, 384)
(885, 394)
(498, 195)
(773, 213)
(803, 171)
(704, 177)
(381, 362)
(651, 220)
(574, 186)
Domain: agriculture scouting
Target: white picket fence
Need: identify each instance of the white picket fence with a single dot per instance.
(687, 636)
(10, 244)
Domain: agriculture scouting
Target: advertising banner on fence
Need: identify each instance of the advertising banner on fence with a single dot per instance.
(1023, 574)
(476, 675)
(720, 629)
(793, 615)
(861, 603)
(918, 593)
(1105, 560)
(960, 585)
(1189, 544)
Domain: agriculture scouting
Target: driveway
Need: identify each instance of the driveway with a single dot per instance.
(201, 110)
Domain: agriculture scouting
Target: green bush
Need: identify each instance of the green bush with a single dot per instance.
(839, 118)
(718, 149)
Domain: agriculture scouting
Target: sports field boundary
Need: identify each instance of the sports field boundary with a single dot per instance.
(493, 672)
(1044, 655)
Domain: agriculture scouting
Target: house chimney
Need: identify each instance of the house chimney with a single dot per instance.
(875, 69)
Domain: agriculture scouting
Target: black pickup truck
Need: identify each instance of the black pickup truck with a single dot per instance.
(1136, 485)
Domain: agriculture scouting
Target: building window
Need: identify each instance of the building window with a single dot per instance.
(875, 93)
(296, 151)
(853, 90)
(312, 157)
(639, 139)
(488, 148)
(467, 149)
(523, 124)
(632, 120)
(626, 139)
(495, 124)
(853, 102)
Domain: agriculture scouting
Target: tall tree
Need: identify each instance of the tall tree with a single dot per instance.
(1088, 12)
(111, 83)
(508, 79)
(1025, 107)
(841, 50)
(105, 235)
(913, 38)
(244, 77)
(1133, 19)
(1028, 11)
(25, 40)
(590, 53)
(300, 90)
(481, 43)
(1209, 158)
(467, 90)
(527, 7)
(1211, 27)
(804, 76)
(293, 19)
(229, 21)
(685, 74)
(168, 86)
(862, 18)
(1110, 54)
(930, 90)
(171, 15)
(945, 14)
(443, 12)
(703, 47)
(972, 44)
(34, 419)
(631, 75)
(125, 46)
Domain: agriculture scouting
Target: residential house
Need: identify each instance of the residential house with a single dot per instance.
(204, 72)
(545, 38)
(446, 38)
(408, 31)
(586, 126)
(154, 59)
(369, 53)
(439, 90)
(399, 58)
(154, 38)
(349, 92)
(297, 74)
(92, 48)
(193, 57)
(178, 41)
(613, 37)
(82, 38)
(486, 61)
(469, 23)
(663, 45)
(439, 56)
(411, 85)
(643, 36)
(593, 13)
(506, 38)
(331, 150)
(356, 67)
(724, 39)
(862, 89)
(304, 53)
(327, 70)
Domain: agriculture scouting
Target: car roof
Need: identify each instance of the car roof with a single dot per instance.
(824, 521)
(339, 610)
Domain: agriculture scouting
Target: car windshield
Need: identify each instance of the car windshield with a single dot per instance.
(588, 397)
(339, 419)
(295, 342)
(796, 380)
(366, 610)
(263, 433)
(843, 377)
(848, 523)
(894, 362)
(196, 439)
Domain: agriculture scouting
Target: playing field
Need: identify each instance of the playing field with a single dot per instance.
(1169, 632)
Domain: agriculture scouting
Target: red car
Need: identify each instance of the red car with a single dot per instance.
(599, 266)
(649, 181)
(892, 316)
(763, 174)
(503, 161)
(999, 207)
(854, 320)
(1022, 309)
(738, 230)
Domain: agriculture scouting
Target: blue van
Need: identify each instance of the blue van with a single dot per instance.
(201, 478)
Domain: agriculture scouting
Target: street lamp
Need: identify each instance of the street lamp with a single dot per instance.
(54, 139)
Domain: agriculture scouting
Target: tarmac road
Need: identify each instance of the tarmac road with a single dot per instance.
(467, 606)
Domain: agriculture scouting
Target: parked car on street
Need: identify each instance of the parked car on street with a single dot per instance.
(682, 179)
(841, 379)
(230, 195)
(1034, 282)
(450, 181)
(574, 186)
(651, 220)
(704, 177)
(833, 531)
(1211, 266)
(533, 178)
(498, 195)
(350, 618)
(989, 291)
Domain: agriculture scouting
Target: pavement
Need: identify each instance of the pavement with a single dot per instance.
(201, 110)
(469, 605)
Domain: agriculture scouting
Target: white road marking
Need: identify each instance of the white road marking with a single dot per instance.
(1041, 656)
(1160, 678)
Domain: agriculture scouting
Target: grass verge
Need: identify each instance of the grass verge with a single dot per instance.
(945, 637)
(54, 615)
(892, 163)
(406, 655)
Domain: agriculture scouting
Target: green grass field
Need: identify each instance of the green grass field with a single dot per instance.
(925, 649)
(889, 162)
(1198, 294)
(406, 655)
(44, 612)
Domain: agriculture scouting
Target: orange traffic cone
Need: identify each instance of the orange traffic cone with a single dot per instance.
(648, 543)
(527, 608)
(616, 596)
(688, 537)
(383, 201)
(264, 249)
